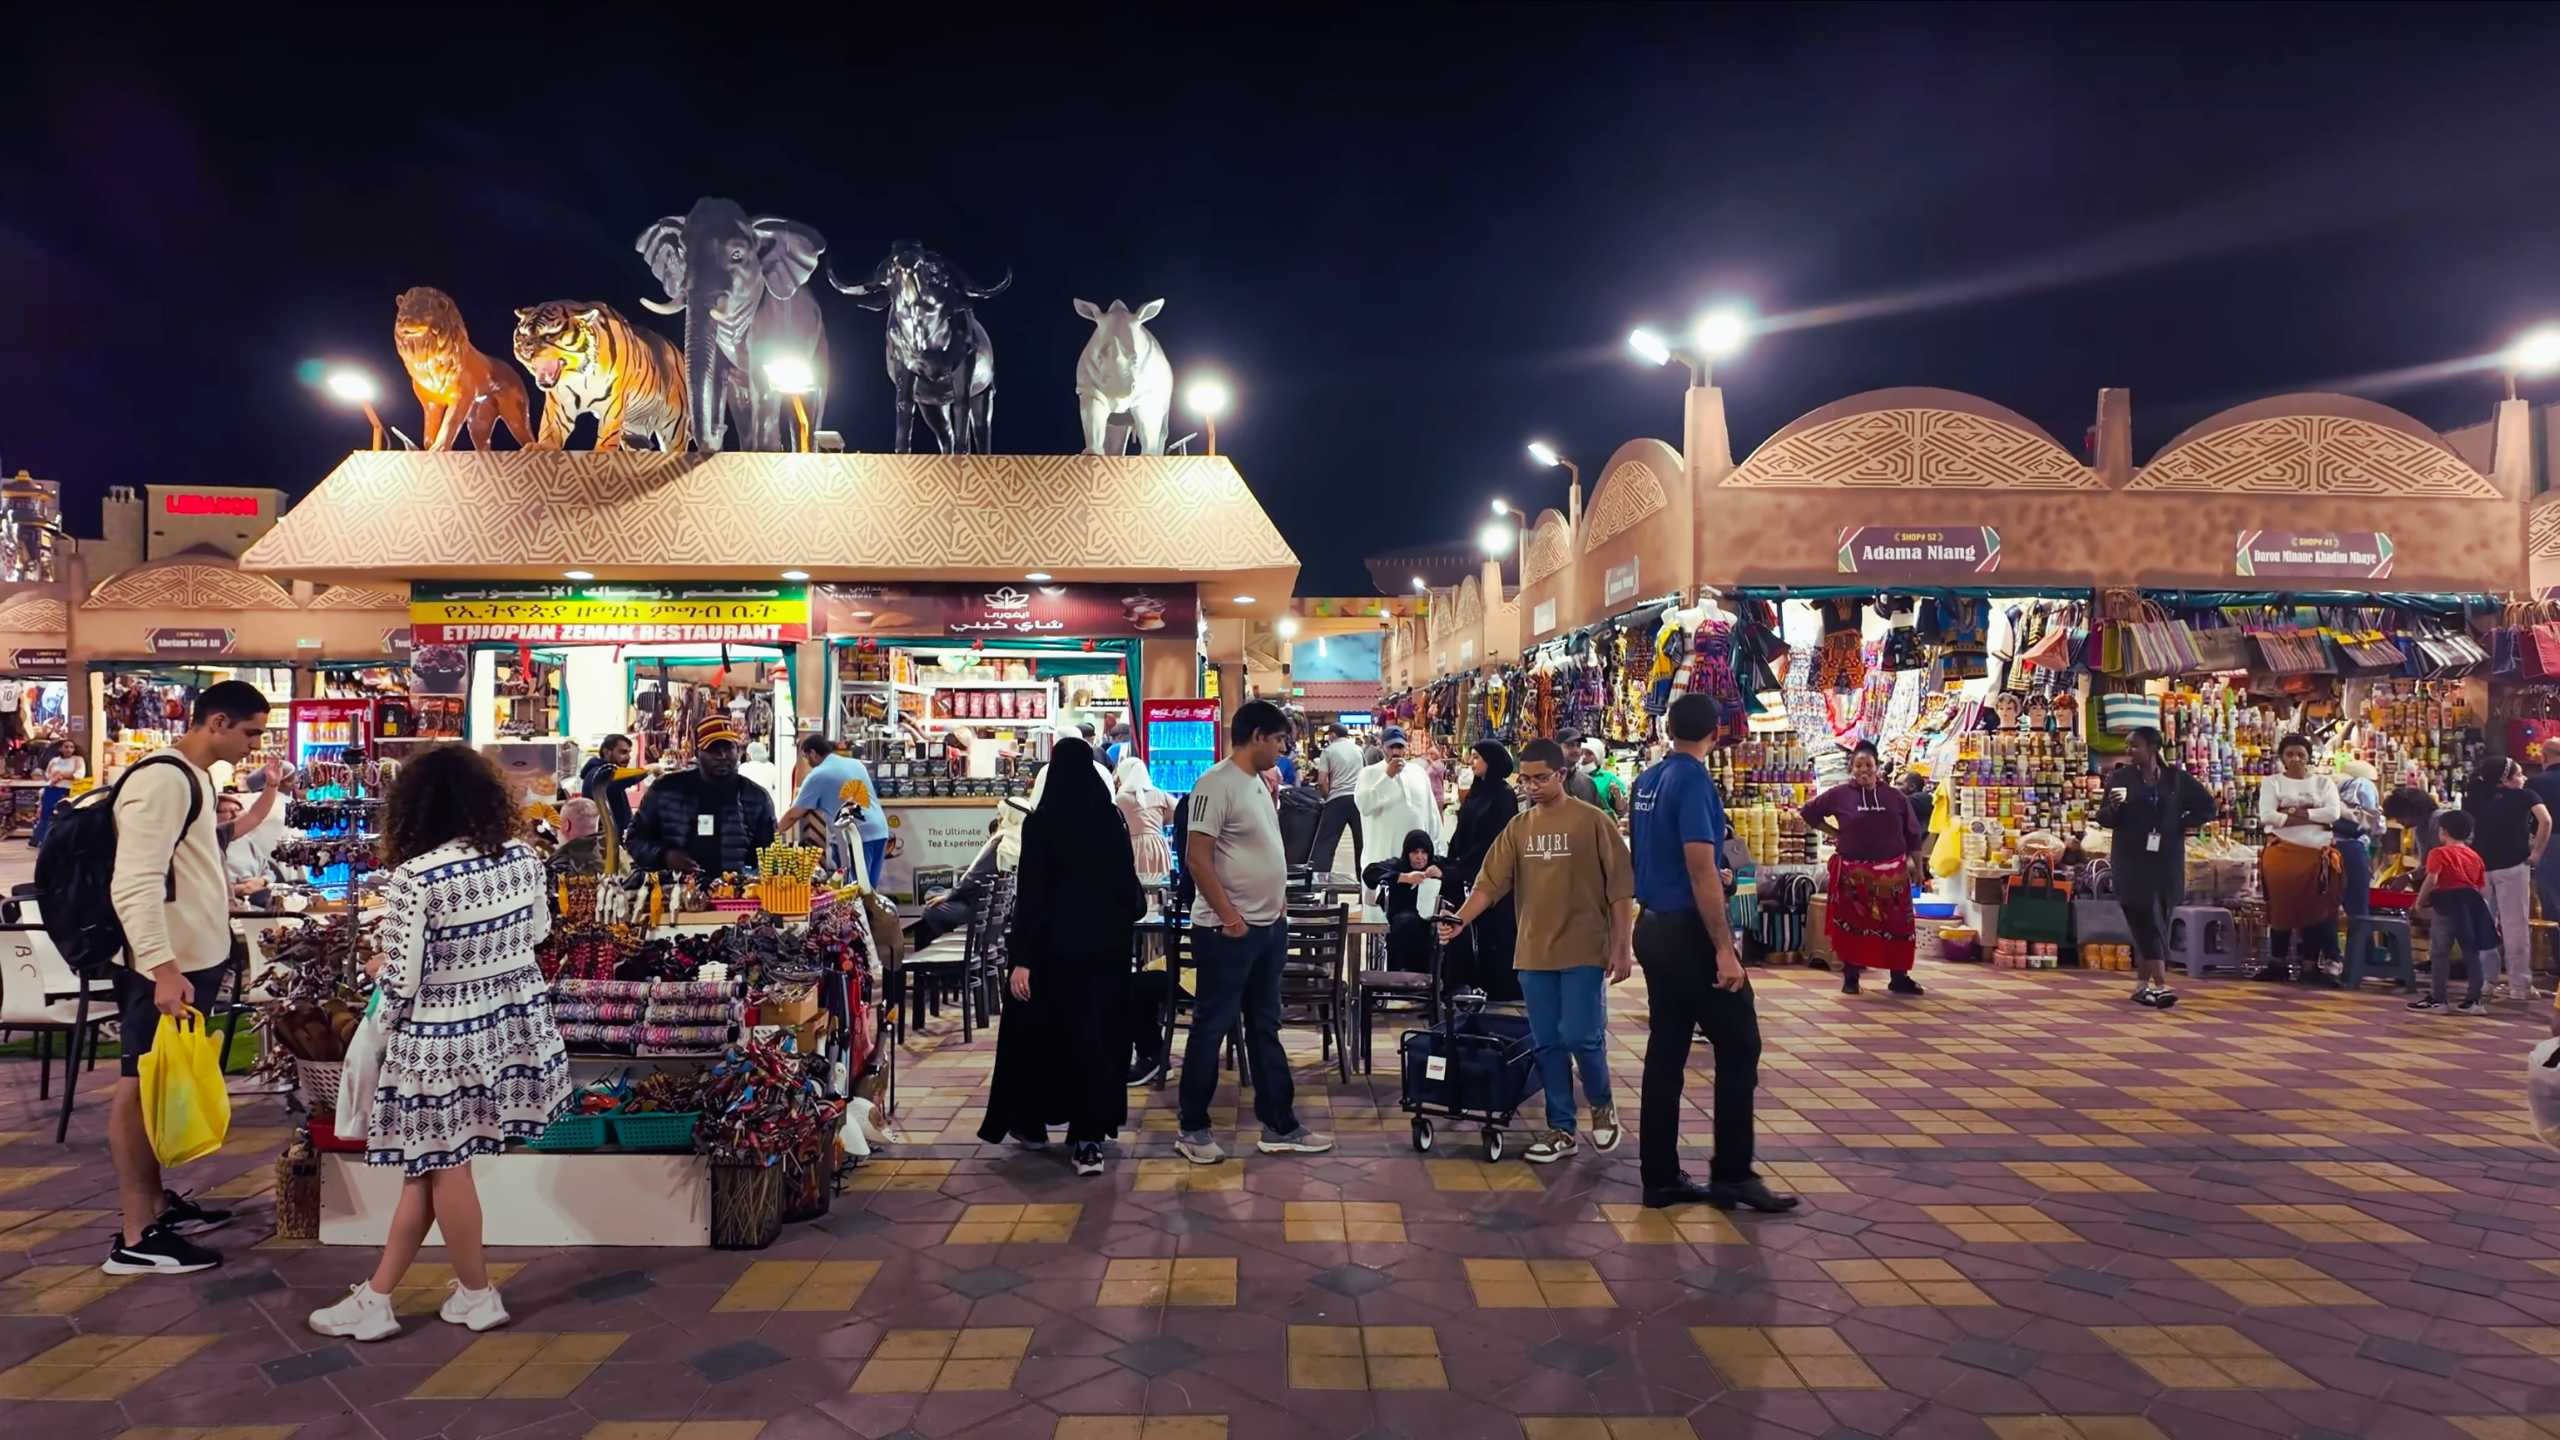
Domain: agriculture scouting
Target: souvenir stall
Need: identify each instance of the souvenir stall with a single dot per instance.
(35, 701)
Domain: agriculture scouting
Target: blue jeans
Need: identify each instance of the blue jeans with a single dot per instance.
(2355, 857)
(1238, 976)
(875, 853)
(1569, 1020)
(44, 813)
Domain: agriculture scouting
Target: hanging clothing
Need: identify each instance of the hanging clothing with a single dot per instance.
(1062, 1056)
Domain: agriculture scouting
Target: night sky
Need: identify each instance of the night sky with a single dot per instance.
(1412, 239)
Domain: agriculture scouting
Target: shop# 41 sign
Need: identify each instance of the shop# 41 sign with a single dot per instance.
(2313, 555)
(1919, 551)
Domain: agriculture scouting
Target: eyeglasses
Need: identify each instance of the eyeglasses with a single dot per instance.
(1537, 777)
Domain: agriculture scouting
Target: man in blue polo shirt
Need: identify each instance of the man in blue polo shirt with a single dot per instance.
(1693, 973)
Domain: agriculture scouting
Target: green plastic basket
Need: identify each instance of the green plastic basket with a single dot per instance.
(571, 1132)
(654, 1130)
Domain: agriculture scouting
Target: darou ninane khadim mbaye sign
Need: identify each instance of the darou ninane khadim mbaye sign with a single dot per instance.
(608, 613)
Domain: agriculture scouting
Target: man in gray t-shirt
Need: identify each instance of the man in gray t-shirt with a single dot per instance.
(1337, 771)
(1239, 936)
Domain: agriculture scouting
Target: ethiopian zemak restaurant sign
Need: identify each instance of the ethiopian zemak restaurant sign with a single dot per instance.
(1919, 552)
(2313, 555)
(607, 613)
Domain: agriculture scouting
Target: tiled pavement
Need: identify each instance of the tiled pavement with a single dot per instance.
(2033, 1212)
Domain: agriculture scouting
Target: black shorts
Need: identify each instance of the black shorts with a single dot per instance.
(141, 1018)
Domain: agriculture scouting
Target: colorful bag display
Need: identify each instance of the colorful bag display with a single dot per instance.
(2124, 714)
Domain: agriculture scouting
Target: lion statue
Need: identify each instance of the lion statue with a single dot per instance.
(586, 358)
(458, 388)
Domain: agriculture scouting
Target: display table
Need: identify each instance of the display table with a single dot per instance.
(531, 1198)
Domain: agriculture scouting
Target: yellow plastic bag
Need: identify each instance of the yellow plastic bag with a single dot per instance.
(1946, 858)
(185, 1109)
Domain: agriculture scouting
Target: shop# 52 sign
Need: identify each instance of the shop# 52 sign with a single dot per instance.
(608, 613)
(1919, 551)
(2313, 555)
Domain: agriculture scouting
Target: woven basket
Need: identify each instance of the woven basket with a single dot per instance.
(318, 1080)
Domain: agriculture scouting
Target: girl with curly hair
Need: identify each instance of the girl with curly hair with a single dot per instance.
(471, 1058)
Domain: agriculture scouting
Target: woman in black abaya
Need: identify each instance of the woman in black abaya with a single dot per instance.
(1489, 806)
(1062, 1052)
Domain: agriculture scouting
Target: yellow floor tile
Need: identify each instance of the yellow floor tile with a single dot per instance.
(57, 1289)
(1802, 1177)
(14, 1178)
(245, 1186)
(799, 1285)
(1207, 1281)
(972, 1358)
(27, 1229)
(97, 1367)
(1679, 1225)
(901, 1176)
(2201, 1357)
(2329, 1224)
(1370, 1357)
(1015, 1225)
(1182, 1175)
(2373, 1178)
(260, 1140)
(2274, 1282)
(2000, 1225)
(422, 1291)
(1314, 1222)
(521, 1366)
(2076, 1177)
(1467, 1176)
(1784, 1357)
(1538, 1285)
(2538, 1339)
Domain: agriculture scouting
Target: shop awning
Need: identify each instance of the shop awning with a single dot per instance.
(385, 516)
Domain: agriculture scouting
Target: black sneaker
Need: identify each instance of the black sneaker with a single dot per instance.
(1089, 1158)
(183, 1216)
(2145, 995)
(2163, 998)
(1145, 1072)
(2426, 1002)
(159, 1252)
(1903, 984)
(2274, 974)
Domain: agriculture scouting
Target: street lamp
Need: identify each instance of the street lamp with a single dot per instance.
(357, 388)
(1718, 334)
(2535, 352)
(1547, 455)
(1208, 399)
(1419, 588)
(792, 376)
(1288, 627)
(1496, 537)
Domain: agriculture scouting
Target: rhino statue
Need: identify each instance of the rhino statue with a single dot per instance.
(1123, 381)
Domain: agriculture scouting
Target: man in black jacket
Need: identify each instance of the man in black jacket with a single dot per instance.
(706, 818)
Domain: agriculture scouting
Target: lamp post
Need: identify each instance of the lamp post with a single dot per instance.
(357, 388)
(1719, 334)
(2535, 353)
(792, 376)
(1547, 455)
(1208, 398)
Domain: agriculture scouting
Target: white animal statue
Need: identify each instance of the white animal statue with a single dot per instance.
(1123, 382)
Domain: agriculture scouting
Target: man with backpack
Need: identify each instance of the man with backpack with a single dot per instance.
(171, 907)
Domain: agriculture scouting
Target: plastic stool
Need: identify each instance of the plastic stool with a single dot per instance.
(2390, 934)
(2201, 936)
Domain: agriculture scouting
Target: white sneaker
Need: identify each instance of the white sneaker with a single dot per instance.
(364, 1315)
(474, 1310)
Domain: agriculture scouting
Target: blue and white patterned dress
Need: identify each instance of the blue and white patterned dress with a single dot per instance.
(474, 1059)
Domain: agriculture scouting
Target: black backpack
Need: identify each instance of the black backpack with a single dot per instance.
(77, 864)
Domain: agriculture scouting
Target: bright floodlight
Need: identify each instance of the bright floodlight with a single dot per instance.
(1649, 347)
(1501, 506)
(1418, 586)
(1288, 628)
(1495, 538)
(353, 386)
(791, 375)
(1720, 332)
(1207, 397)
(1544, 453)
(2536, 352)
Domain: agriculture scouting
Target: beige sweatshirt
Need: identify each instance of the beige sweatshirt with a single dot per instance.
(193, 930)
(1568, 868)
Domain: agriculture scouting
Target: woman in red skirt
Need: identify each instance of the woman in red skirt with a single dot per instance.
(1878, 837)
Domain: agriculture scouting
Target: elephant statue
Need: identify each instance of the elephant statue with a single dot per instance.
(738, 282)
(939, 355)
(1123, 381)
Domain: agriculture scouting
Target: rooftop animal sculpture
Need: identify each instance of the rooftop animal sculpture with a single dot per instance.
(585, 357)
(939, 356)
(737, 281)
(458, 388)
(1123, 381)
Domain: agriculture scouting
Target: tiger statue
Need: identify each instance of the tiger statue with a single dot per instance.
(586, 358)
(457, 387)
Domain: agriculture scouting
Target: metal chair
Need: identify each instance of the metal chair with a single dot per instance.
(1414, 992)
(1313, 979)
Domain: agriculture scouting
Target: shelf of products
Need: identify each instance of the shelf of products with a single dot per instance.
(1764, 769)
(2009, 783)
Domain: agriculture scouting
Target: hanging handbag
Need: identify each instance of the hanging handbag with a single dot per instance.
(2124, 714)
(2539, 649)
(2220, 650)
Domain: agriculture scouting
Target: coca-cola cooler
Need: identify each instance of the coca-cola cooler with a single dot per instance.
(1181, 740)
(331, 729)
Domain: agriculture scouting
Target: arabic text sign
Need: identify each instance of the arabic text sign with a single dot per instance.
(995, 608)
(608, 614)
(2313, 555)
(1618, 583)
(1919, 551)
